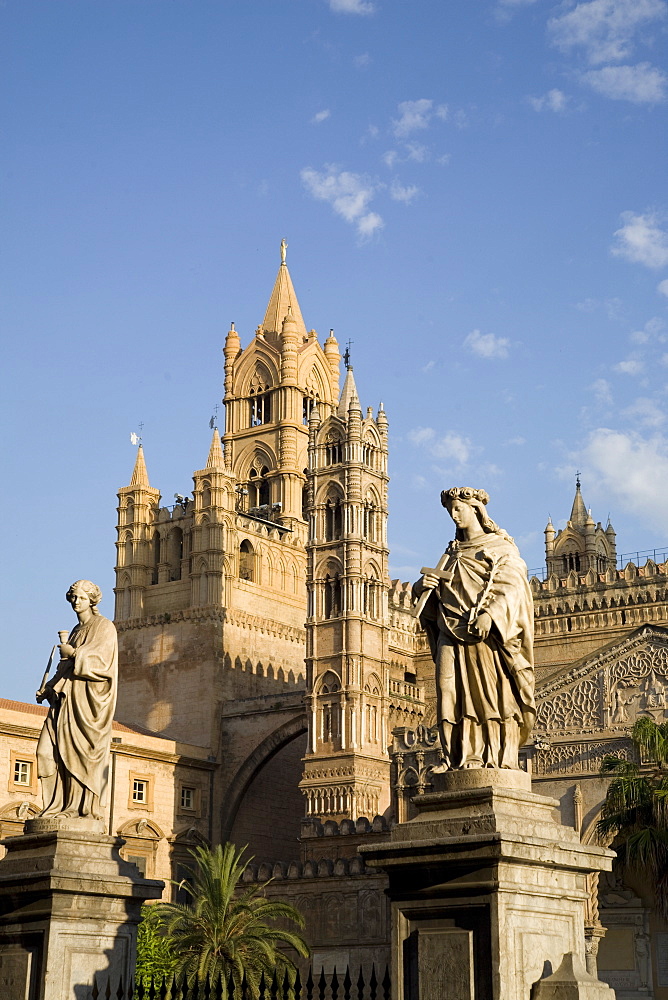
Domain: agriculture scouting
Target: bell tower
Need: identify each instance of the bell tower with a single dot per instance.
(582, 545)
(346, 768)
(269, 390)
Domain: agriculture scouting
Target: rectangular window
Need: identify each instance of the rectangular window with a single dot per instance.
(140, 791)
(22, 772)
(140, 860)
(187, 798)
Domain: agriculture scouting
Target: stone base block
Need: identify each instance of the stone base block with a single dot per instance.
(69, 909)
(571, 981)
(487, 890)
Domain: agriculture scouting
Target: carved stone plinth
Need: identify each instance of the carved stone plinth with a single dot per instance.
(487, 890)
(69, 908)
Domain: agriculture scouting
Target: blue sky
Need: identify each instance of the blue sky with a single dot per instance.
(473, 192)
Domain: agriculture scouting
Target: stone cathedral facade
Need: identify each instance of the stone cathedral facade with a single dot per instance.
(267, 661)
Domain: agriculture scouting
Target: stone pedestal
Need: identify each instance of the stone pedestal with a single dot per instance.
(487, 890)
(69, 909)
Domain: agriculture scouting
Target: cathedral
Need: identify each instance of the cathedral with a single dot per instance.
(267, 662)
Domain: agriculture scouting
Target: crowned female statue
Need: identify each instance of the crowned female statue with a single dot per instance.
(477, 610)
(74, 745)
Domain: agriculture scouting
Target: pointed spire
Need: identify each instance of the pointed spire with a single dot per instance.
(215, 459)
(139, 474)
(579, 511)
(283, 300)
(348, 394)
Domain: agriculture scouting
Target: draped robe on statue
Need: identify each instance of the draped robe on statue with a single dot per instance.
(76, 737)
(484, 688)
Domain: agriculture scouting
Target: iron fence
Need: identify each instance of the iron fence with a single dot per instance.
(322, 986)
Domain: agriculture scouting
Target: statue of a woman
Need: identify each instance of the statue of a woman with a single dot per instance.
(477, 610)
(73, 747)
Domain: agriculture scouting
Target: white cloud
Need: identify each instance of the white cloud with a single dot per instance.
(416, 115)
(554, 100)
(321, 116)
(641, 84)
(369, 223)
(646, 412)
(400, 193)
(613, 307)
(421, 434)
(416, 151)
(519, 440)
(486, 345)
(362, 60)
(653, 328)
(349, 195)
(390, 158)
(602, 392)
(642, 240)
(604, 29)
(351, 6)
(631, 469)
(450, 445)
(662, 287)
(630, 367)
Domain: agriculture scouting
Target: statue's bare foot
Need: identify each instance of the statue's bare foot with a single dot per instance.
(441, 767)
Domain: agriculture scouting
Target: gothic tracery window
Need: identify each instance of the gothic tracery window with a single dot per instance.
(259, 489)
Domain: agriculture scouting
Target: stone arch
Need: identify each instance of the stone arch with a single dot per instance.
(288, 742)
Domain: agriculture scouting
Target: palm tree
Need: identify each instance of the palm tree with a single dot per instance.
(636, 806)
(225, 928)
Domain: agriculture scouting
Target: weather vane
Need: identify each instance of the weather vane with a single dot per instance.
(346, 353)
(214, 418)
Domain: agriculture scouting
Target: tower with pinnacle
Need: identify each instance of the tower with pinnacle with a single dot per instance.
(346, 768)
(211, 591)
(582, 545)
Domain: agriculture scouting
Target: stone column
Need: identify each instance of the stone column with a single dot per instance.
(488, 891)
(69, 909)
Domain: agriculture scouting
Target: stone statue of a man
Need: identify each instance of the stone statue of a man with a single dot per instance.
(477, 610)
(73, 747)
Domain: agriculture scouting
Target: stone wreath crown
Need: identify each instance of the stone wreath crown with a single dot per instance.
(463, 493)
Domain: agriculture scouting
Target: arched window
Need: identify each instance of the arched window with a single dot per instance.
(305, 497)
(572, 562)
(246, 561)
(332, 608)
(259, 489)
(369, 455)
(175, 553)
(332, 452)
(127, 548)
(333, 519)
(155, 556)
(370, 521)
(370, 598)
(260, 409)
(206, 494)
(329, 708)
